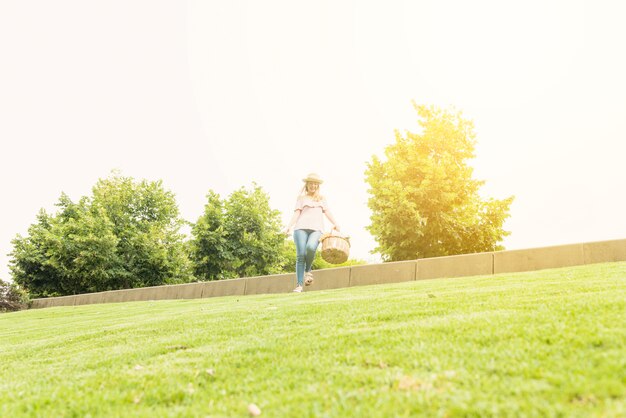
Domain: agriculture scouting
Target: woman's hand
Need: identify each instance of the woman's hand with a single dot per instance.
(286, 231)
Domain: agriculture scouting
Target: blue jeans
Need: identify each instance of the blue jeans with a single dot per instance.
(306, 241)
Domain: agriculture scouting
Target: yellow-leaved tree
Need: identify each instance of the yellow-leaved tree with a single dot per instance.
(423, 198)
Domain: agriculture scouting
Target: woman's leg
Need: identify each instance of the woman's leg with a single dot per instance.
(311, 246)
(300, 237)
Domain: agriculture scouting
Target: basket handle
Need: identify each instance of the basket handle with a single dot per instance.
(334, 232)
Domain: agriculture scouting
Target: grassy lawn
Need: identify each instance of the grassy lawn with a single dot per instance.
(543, 344)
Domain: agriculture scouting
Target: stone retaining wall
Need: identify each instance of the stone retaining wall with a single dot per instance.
(426, 268)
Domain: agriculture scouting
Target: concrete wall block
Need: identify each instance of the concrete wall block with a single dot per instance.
(176, 291)
(400, 271)
(89, 298)
(115, 296)
(278, 283)
(62, 301)
(455, 266)
(333, 278)
(39, 303)
(230, 287)
(538, 258)
(166, 292)
(130, 295)
(605, 251)
(158, 292)
(189, 290)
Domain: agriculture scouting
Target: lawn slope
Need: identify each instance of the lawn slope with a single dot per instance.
(546, 343)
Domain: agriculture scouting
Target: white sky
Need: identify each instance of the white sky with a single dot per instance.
(214, 95)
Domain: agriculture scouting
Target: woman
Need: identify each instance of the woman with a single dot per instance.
(308, 220)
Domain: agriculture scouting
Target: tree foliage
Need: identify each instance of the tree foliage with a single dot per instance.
(237, 237)
(125, 235)
(423, 198)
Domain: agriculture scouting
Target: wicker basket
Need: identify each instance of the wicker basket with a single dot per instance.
(335, 249)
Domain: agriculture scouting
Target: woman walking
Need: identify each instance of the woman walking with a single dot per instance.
(307, 224)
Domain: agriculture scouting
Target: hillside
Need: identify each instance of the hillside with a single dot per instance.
(546, 343)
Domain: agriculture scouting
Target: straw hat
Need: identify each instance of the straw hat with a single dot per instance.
(312, 178)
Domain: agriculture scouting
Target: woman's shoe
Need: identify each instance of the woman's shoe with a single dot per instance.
(308, 278)
(298, 289)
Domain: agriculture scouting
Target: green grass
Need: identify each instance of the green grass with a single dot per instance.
(543, 344)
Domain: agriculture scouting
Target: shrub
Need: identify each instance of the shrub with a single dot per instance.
(12, 297)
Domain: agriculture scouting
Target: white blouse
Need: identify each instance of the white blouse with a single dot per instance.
(312, 213)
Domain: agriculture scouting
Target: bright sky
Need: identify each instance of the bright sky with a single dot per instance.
(218, 94)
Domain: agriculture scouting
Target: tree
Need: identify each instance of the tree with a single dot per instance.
(423, 198)
(237, 237)
(146, 221)
(125, 235)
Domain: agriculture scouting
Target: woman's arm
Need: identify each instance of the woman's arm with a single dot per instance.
(292, 222)
(331, 218)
